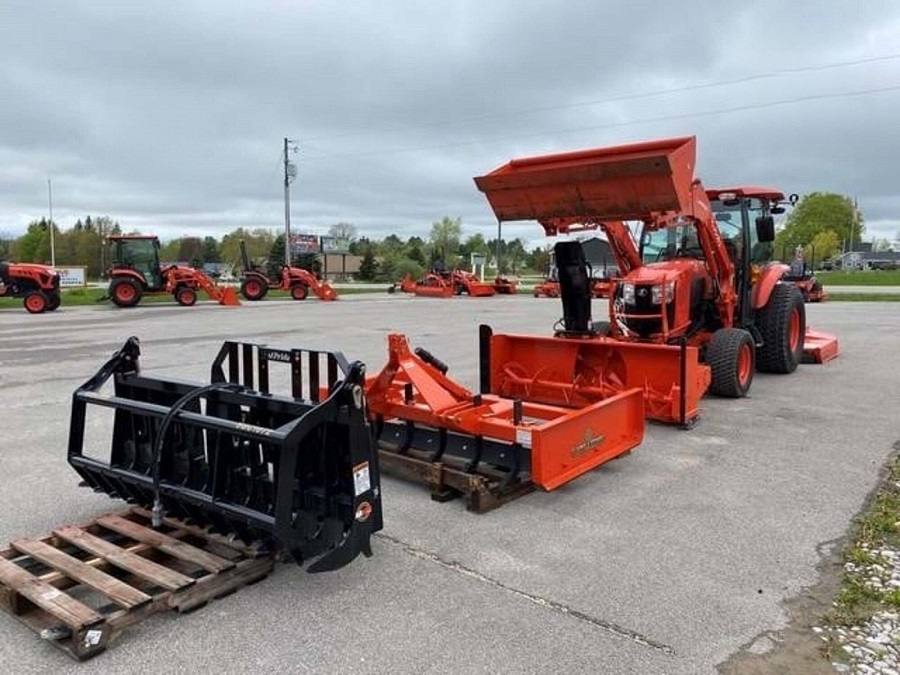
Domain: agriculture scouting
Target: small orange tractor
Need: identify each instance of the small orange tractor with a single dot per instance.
(803, 278)
(698, 304)
(443, 284)
(37, 285)
(549, 288)
(298, 281)
(137, 272)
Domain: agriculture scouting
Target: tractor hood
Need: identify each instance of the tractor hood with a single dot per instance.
(625, 182)
(660, 273)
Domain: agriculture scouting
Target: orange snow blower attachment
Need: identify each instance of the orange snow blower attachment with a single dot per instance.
(575, 372)
(489, 448)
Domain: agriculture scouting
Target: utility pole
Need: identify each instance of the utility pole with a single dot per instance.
(290, 172)
(52, 237)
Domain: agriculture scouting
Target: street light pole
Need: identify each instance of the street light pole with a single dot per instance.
(290, 171)
(52, 237)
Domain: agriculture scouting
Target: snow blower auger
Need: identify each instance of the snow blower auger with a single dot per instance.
(487, 448)
(297, 473)
(699, 303)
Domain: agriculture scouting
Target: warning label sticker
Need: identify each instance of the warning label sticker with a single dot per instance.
(523, 437)
(361, 481)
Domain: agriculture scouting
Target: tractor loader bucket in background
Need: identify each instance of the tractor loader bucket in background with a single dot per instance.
(228, 296)
(618, 183)
(297, 473)
(574, 372)
(819, 347)
(489, 449)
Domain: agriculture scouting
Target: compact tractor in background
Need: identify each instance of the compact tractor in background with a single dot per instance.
(698, 305)
(37, 285)
(136, 272)
(801, 275)
(296, 280)
(443, 284)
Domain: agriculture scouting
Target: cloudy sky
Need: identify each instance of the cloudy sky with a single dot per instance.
(169, 116)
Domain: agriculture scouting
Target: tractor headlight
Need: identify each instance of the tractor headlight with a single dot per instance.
(656, 292)
(628, 293)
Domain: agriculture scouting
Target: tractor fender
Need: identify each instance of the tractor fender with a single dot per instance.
(768, 278)
(132, 274)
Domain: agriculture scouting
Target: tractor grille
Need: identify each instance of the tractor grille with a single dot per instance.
(643, 305)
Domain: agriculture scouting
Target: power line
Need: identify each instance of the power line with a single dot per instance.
(623, 97)
(615, 125)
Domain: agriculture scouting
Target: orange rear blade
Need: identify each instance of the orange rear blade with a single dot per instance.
(819, 347)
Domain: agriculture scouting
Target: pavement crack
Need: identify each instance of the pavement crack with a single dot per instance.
(553, 605)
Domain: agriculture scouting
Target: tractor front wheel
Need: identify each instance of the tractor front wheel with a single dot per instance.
(36, 302)
(253, 289)
(124, 292)
(186, 296)
(782, 323)
(299, 291)
(54, 300)
(731, 354)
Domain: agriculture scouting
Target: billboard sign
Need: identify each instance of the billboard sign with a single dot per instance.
(304, 243)
(337, 245)
(72, 277)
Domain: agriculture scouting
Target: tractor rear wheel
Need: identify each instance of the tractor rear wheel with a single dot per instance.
(186, 296)
(782, 324)
(299, 291)
(253, 289)
(54, 300)
(124, 292)
(730, 355)
(36, 302)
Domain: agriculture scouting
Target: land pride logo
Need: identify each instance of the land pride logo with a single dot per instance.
(589, 443)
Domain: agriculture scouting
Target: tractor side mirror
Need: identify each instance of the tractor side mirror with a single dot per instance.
(765, 229)
(776, 209)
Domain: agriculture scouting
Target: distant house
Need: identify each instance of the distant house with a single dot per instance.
(864, 258)
(599, 257)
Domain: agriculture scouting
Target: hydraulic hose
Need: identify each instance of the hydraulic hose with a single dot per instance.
(157, 511)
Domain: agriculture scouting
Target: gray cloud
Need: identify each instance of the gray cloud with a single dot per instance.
(170, 117)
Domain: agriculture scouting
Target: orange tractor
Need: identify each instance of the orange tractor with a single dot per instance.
(443, 284)
(698, 306)
(37, 285)
(801, 275)
(298, 281)
(136, 272)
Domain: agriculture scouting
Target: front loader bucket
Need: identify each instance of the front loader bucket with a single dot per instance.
(618, 183)
(326, 292)
(229, 297)
(576, 372)
(819, 347)
(298, 473)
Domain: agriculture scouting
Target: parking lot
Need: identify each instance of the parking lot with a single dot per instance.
(669, 560)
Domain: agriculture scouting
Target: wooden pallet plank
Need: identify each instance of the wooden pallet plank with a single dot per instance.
(117, 591)
(67, 609)
(130, 562)
(251, 550)
(166, 544)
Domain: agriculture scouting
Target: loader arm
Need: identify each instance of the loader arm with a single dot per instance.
(621, 243)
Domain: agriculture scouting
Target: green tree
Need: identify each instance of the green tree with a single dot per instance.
(211, 250)
(823, 246)
(190, 249)
(276, 257)
(444, 238)
(819, 212)
(368, 266)
(258, 242)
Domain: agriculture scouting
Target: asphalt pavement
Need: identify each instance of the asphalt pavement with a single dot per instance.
(669, 560)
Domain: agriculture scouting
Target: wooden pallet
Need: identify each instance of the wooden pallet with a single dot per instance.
(81, 586)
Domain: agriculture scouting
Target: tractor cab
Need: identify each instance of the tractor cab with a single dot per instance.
(139, 254)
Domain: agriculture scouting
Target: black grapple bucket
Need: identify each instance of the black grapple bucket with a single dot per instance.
(299, 472)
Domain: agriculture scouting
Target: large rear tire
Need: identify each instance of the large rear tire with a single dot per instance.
(124, 292)
(36, 302)
(782, 324)
(730, 354)
(254, 289)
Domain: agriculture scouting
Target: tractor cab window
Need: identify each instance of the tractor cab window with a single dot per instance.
(732, 218)
(678, 240)
(141, 256)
